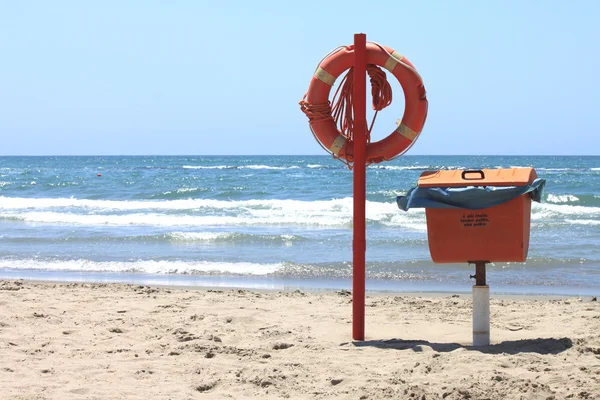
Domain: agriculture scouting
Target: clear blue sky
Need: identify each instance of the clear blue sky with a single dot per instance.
(225, 77)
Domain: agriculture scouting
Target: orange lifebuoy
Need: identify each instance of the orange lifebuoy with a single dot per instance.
(415, 109)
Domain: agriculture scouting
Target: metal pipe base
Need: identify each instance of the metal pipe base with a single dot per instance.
(481, 315)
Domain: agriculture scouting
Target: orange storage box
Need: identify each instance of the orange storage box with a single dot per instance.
(498, 233)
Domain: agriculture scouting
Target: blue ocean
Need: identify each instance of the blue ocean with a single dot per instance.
(274, 222)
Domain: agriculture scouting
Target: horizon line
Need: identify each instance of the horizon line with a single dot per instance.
(291, 155)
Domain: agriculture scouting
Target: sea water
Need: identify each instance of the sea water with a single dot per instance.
(274, 222)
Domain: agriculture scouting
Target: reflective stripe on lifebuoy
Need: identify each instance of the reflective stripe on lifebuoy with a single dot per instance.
(415, 109)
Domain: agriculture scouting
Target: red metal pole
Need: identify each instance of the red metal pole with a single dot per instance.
(359, 245)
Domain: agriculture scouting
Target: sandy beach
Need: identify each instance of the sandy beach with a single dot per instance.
(115, 341)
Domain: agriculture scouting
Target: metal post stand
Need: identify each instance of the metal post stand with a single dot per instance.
(481, 306)
(360, 187)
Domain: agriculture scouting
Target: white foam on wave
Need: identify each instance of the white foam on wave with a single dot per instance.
(152, 219)
(244, 167)
(199, 236)
(388, 214)
(209, 212)
(325, 213)
(413, 220)
(414, 167)
(145, 266)
(583, 221)
(266, 167)
(553, 211)
(138, 219)
(562, 198)
(20, 203)
(226, 236)
(188, 190)
(208, 167)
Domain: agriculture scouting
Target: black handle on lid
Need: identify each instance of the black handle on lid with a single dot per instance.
(472, 171)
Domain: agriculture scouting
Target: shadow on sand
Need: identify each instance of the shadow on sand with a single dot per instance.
(540, 346)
